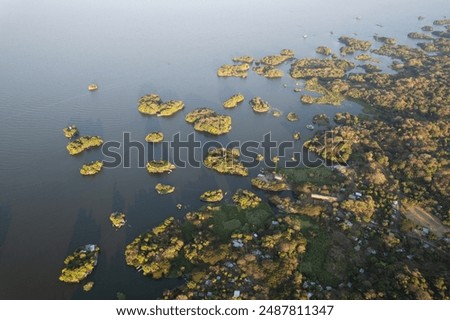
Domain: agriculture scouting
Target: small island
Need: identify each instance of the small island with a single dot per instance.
(268, 71)
(243, 59)
(118, 219)
(92, 168)
(160, 166)
(164, 188)
(152, 104)
(259, 105)
(88, 286)
(83, 143)
(212, 196)
(292, 116)
(207, 120)
(154, 137)
(70, 131)
(274, 60)
(323, 50)
(225, 161)
(80, 264)
(238, 70)
(92, 87)
(321, 119)
(233, 101)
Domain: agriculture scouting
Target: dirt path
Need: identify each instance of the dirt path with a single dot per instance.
(425, 219)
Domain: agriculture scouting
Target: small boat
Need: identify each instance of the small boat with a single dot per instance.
(310, 127)
(92, 87)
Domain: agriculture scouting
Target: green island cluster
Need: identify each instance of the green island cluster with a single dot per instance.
(373, 224)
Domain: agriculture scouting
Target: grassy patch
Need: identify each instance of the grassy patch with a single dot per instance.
(230, 219)
(317, 176)
(314, 262)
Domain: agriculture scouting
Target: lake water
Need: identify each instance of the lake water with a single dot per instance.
(50, 50)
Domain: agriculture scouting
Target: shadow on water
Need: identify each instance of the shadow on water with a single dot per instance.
(118, 202)
(5, 220)
(86, 231)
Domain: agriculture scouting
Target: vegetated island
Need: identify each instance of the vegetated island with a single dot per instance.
(207, 120)
(80, 264)
(92, 168)
(160, 166)
(152, 104)
(233, 101)
(70, 131)
(225, 161)
(212, 196)
(83, 143)
(164, 188)
(154, 137)
(118, 219)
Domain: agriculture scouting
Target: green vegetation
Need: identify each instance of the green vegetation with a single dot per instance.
(245, 199)
(292, 116)
(225, 161)
(323, 50)
(321, 119)
(70, 131)
(238, 70)
(319, 68)
(154, 252)
(318, 176)
(327, 96)
(88, 286)
(259, 105)
(152, 104)
(154, 137)
(83, 143)
(164, 188)
(79, 264)
(419, 36)
(206, 120)
(92, 168)
(353, 45)
(212, 196)
(315, 264)
(268, 71)
(275, 60)
(269, 185)
(243, 59)
(118, 219)
(233, 101)
(160, 166)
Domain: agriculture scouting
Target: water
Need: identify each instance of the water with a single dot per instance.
(51, 50)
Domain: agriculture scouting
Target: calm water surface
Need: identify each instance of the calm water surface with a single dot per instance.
(50, 51)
